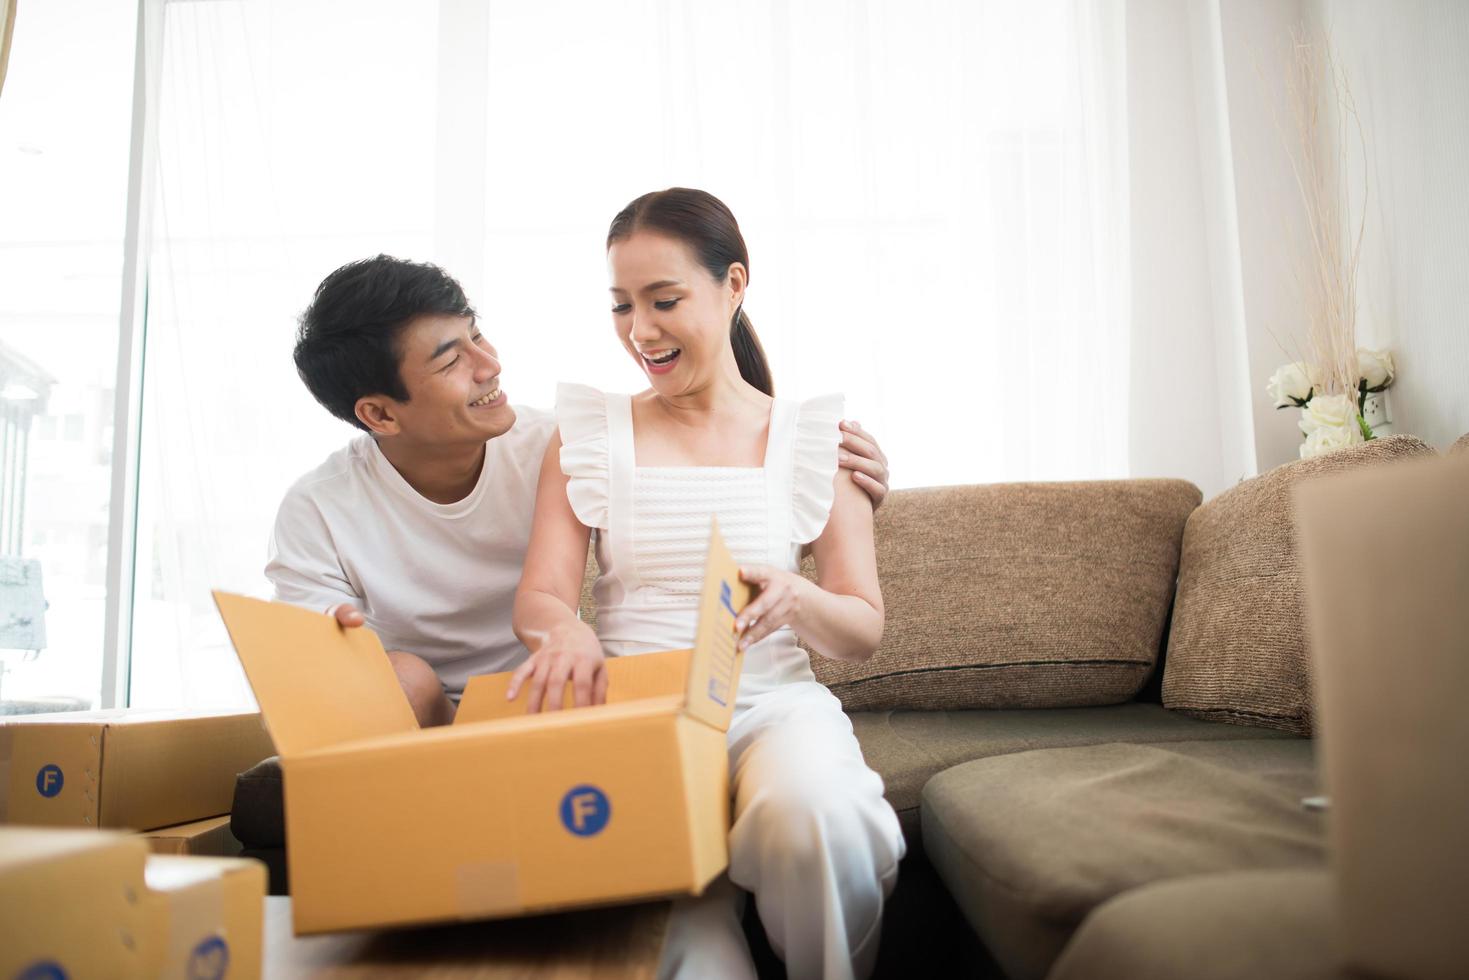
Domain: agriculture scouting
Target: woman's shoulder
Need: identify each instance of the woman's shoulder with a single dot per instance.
(830, 405)
(816, 422)
(814, 463)
(581, 419)
(571, 395)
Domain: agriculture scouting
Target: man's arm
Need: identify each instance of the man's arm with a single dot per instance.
(861, 454)
(304, 568)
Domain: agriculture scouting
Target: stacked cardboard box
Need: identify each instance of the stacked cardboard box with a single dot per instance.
(96, 904)
(210, 837)
(135, 769)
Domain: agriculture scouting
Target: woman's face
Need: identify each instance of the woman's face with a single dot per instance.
(670, 314)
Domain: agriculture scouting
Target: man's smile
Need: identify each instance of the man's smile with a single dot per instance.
(490, 398)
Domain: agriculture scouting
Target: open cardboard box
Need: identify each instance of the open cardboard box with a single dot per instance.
(502, 813)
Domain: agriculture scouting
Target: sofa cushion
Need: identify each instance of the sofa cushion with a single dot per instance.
(1237, 648)
(1241, 925)
(587, 605)
(1030, 843)
(908, 747)
(1031, 595)
(1461, 445)
(258, 814)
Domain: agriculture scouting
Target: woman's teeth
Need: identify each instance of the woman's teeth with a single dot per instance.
(486, 398)
(661, 356)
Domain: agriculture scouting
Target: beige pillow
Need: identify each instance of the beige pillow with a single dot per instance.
(1237, 648)
(1026, 595)
(1461, 445)
(587, 610)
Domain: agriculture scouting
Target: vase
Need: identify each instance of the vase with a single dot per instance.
(1375, 413)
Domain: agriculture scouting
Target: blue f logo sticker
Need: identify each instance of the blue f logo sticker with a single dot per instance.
(585, 810)
(49, 781)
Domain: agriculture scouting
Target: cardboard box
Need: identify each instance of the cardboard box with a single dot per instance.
(391, 825)
(210, 837)
(122, 768)
(88, 904)
(1390, 652)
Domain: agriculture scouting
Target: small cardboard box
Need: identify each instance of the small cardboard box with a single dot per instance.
(123, 768)
(391, 825)
(89, 904)
(210, 837)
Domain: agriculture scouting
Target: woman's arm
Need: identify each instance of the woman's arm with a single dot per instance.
(841, 616)
(562, 647)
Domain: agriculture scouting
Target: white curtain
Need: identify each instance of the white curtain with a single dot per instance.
(935, 195)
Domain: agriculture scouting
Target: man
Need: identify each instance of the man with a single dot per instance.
(418, 528)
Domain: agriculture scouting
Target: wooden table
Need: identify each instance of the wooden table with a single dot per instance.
(601, 943)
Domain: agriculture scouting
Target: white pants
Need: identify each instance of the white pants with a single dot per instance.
(813, 839)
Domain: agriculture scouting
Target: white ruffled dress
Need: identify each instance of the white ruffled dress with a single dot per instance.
(812, 835)
(652, 522)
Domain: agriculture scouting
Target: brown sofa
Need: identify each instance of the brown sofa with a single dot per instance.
(1089, 695)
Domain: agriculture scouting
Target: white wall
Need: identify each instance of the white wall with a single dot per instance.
(1406, 64)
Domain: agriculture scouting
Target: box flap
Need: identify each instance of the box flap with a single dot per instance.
(318, 683)
(26, 846)
(633, 678)
(714, 670)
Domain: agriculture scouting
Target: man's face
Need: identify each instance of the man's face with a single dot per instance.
(453, 379)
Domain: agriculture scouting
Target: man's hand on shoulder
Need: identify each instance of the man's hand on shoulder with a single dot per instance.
(861, 454)
(347, 615)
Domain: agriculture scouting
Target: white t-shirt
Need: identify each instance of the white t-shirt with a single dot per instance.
(433, 579)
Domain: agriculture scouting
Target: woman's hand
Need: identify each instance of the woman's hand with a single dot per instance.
(782, 595)
(570, 651)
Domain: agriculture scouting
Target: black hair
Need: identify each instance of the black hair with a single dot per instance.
(703, 223)
(347, 344)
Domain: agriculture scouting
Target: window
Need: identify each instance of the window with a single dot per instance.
(926, 190)
(64, 137)
(279, 158)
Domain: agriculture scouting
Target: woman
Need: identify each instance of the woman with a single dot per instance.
(813, 838)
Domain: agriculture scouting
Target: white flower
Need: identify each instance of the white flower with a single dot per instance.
(1375, 367)
(1329, 422)
(1290, 385)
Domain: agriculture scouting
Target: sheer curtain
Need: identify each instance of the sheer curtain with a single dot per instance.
(291, 139)
(934, 195)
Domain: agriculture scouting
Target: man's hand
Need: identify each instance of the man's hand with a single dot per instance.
(420, 683)
(347, 615)
(861, 454)
(571, 652)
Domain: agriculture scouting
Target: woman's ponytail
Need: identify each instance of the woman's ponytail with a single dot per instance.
(749, 355)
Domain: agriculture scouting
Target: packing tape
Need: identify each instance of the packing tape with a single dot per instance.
(487, 887)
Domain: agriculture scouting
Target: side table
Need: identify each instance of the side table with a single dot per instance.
(600, 943)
